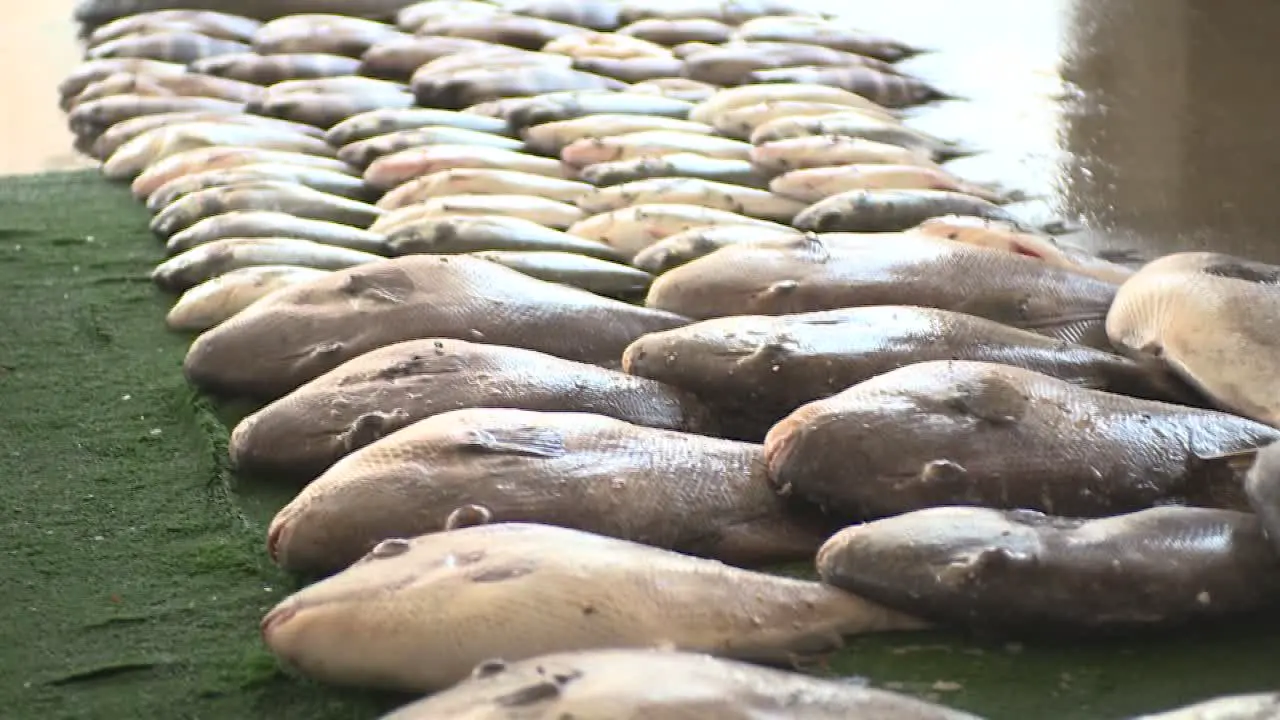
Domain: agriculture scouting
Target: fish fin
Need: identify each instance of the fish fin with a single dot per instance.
(523, 440)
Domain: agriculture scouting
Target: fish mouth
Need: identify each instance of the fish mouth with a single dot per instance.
(274, 619)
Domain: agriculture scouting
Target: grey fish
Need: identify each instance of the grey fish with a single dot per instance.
(376, 394)
(365, 625)
(396, 169)
(271, 69)
(683, 247)
(946, 433)
(684, 686)
(206, 22)
(677, 88)
(526, 33)
(675, 165)
(397, 58)
(144, 151)
(855, 123)
(463, 89)
(383, 122)
(269, 223)
(569, 105)
(1256, 706)
(594, 14)
(321, 33)
(87, 73)
(677, 31)
(175, 46)
(764, 367)
(326, 109)
(733, 64)
(210, 260)
(187, 84)
(353, 311)
(751, 202)
(414, 16)
(217, 157)
(729, 13)
(362, 153)
(550, 138)
(92, 118)
(482, 181)
(292, 198)
(632, 70)
(885, 89)
(694, 494)
(601, 277)
(781, 276)
(93, 13)
(456, 235)
(892, 210)
(326, 181)
(1026, 571)
(122, 132)
(353, 84)
(825, 33)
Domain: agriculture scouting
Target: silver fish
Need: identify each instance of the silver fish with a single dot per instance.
(326, 181)
(176, 46)
(122, 132)
(675, 165)
(145, 150)
(215, 301)
(451, 235)
(219, 158)
(601, 277)
(382, 122)
(482, 181)
(210, 260)
(750, 202)
(271, 69)
(291, 198)
(207, 22)
(362, 153)
(269, 223)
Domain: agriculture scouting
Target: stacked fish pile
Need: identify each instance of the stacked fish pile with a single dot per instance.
(572, 318)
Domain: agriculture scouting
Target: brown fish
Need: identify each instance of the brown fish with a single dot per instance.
(679, 31)
(466, 88)
(476, 233)
(91, 119)
(825, 33)
(946, 432)
(675, 165)
(271, 69)
(696, 495)
(814, 151)
(305, 331)
(735, 64)
(382, 391)
(746, 201)
(321, 33)
(205, 22)
(783, 276)
(175, 46)
(326, 109)
(631, 70)
(89, 72)
(889, 210)
(729, 13)
(683, 247)
(399, 168)
(882, 88)
(397, 58)
(365, 626)
(551, 138)
(521, 113)
(602, 277)
(122, 132)
(96, 12)
(186, 85)
(527, 33)
(328, 181)
(220, 158)
(382, 122)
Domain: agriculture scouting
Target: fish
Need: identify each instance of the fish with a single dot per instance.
(397, 58)
(152, 146)
(673, 490)
(414, 16)
(96, 12)
(550, 138)
(677, 88)
(603, 683)
(745, 95)
(753, 203)
(526, 33)
(464, 88)
(1252, 706)
(605, 45)
(383, 122)
(679, 164)
(458, 234)
(353, 84)
(286, 197)
(491, 58)
(729, 13)
(221, 158)
(374, 395)
(677, 31)
(399, 168)
(1262, 487)
(184, 85)
(270, 223)
(631, 70)
(92, 71)
(825, 33)
(855, 123)
(1005, 236)
(270, 69)
(326, 109)
(556, 589)
(326, 181)
(734, 64)
(940, 432)
(215, 301)
(889, 210)
(545, 212)
(354, 311)
(807, 273)
(689, 245)
(741, 122)
(815, 151)
(206, 22)
(651, 143)
(363, 152)
(1025, 571)
(91, 119)
(210, 260)
(813, 185)
(601, 15)
(321, 33)
(632, 229)
(1209, 317)
(892, 91)
(122, 132)
(761, 368)
(175, 46)
(552, 107)
(482, 181)
(594, 275)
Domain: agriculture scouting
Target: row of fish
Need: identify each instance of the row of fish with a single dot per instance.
(572, 319)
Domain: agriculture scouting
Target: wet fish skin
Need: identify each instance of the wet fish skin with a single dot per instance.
(1026, 571)
(362, 153)
(91, 119)
(482, 181)
(546, 212)
(269, 223)
(93, 13)
(338, 84)
(730, 13)
(494, 57)
(380, 392)
(741, 122)
(321, 33)
(207, 22)
(469, 234)
(326, 181)
(393, 170)
(464, 88)
(939, 433)
(735, 64)
(683, 247)
(220, 158)
(753, 203)
(765, 367)
(359, 627)
(892, 91)
(135, 156)
(566, 106)
(813, 151)
(813, 185)
(632, 229)
(892, 210)
(175, 46)
(270, 69)
(122, 132)
(678, 31)
(205, 262)
(600, 15)
(631, 70)
(732, 98)
(651, 143)
(807, 273)
(680, 164)
(855, 123)
(1256, 706)
(397, 58)
(310, 329)
(602, 277)
(213, 302)
(825, 33)
(551, 138)
(187, 84)
(326, 109)
(89, 72)
(292, 198)
(383, 122)
(526, 33)
(677, 88)
(414, 16)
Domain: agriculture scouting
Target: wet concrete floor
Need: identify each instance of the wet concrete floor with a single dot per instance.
(1149, 121)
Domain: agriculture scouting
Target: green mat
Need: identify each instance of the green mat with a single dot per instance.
(133, 570)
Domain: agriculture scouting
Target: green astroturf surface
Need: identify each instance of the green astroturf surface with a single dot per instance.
(132, 573)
